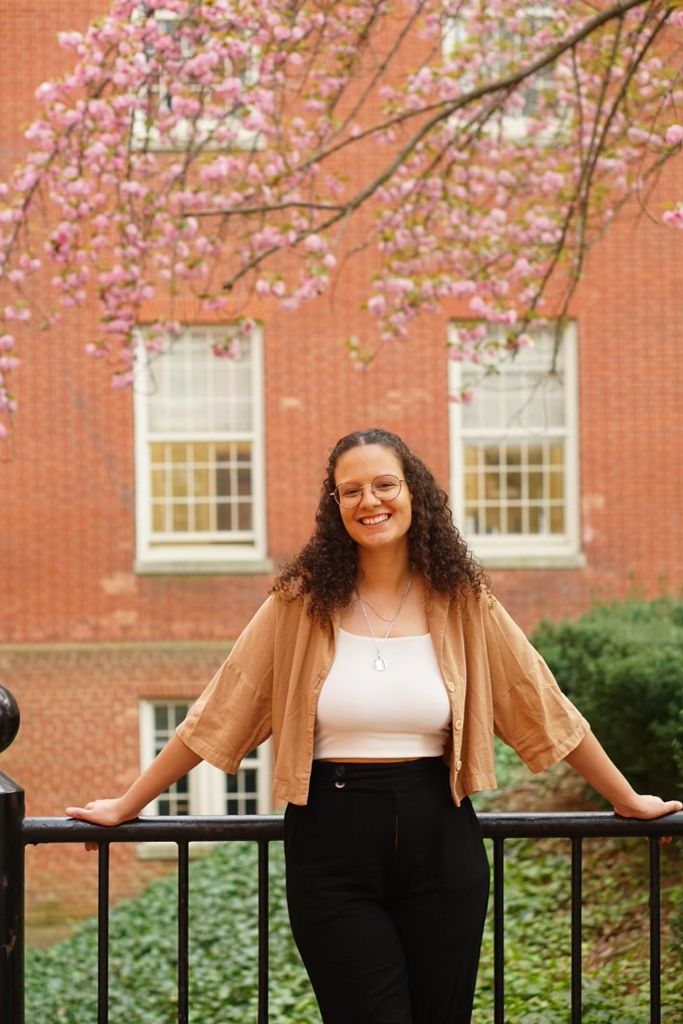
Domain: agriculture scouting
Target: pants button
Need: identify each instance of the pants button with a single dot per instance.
(339, 785)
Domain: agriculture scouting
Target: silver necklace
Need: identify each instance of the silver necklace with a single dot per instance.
(379, 664)
(374, 610)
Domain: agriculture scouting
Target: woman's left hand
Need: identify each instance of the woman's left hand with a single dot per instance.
(647, 807)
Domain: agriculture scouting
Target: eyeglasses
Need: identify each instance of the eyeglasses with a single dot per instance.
(385, 488)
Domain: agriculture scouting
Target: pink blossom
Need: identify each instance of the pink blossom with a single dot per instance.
(16, 313)
(315, 244)
(377, 305)
(119, 326)
(7, 403)
(47, 92)
(479, 307)
(6, 342)
(674, 218)
(674, 135)
(70, 40)
(463, 397)
(521, 266)
(398, 286)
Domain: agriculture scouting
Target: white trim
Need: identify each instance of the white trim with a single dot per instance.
(512, 127)
(199, 132)
(207, 785)
(199, 548)
(523, 550)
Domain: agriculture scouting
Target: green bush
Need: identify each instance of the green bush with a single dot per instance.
(622, 665)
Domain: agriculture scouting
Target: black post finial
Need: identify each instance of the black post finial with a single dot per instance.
(9, 718)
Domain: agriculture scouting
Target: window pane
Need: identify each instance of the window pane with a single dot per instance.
(165, 717)
(158, 518)
(513, 445)
(493, 520)
(200, 481)
(202, 516)
(471, 486)
(536, 519)
(197, 471)
(556, 484)
(223, 478)
(191, 390)
(514, 523)
(471, 519)
(244, 517)
(514, 485)
(200, 476)
(556, 454)
(180, 518)
(241, 790)
(535, 485)
(160, 717)
(492, 486)
(557, 520)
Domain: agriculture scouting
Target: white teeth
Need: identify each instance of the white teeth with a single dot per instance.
(373, 520)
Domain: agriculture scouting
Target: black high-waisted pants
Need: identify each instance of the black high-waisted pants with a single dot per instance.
(387, 886)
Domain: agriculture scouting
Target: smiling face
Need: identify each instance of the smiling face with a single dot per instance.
(375, 522)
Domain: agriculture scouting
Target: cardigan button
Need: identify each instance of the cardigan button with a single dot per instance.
(457, 724)
(458, 765)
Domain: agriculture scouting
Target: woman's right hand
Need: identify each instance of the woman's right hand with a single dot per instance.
(173, 761)
(101, 812)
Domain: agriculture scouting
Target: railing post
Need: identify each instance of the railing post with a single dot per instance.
(11, 875)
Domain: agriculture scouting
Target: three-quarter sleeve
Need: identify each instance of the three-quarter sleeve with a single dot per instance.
(530, 712)
(234, 713)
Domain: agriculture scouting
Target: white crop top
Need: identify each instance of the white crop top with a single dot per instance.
(401, 712)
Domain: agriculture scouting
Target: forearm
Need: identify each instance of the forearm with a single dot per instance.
(173, 761)
(176, 759)
(590, 761)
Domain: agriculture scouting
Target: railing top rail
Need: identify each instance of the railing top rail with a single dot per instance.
(269, 827)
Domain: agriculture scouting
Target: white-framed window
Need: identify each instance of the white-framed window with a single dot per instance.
(512, 123)
(514, 456)
(205, 790)
(207, 130)
(199, 454)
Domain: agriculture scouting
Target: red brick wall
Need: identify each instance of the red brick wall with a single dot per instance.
(67, 492)
(79, 738)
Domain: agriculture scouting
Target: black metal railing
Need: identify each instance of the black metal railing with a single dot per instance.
(17, 832)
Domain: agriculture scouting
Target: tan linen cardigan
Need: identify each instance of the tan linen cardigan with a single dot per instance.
(495, 680)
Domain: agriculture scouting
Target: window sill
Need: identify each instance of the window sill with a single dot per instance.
(540, 561)
(169, 851)
(175, 567)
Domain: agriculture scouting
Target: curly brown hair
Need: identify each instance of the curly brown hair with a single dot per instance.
(326, 568)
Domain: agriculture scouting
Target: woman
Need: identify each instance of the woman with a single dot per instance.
(382, 665)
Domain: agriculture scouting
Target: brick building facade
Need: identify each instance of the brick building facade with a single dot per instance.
(101, 629)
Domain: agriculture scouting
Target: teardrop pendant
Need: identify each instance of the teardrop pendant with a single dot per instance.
(379, 664)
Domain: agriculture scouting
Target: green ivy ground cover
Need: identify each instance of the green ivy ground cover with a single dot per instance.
(61, 981)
